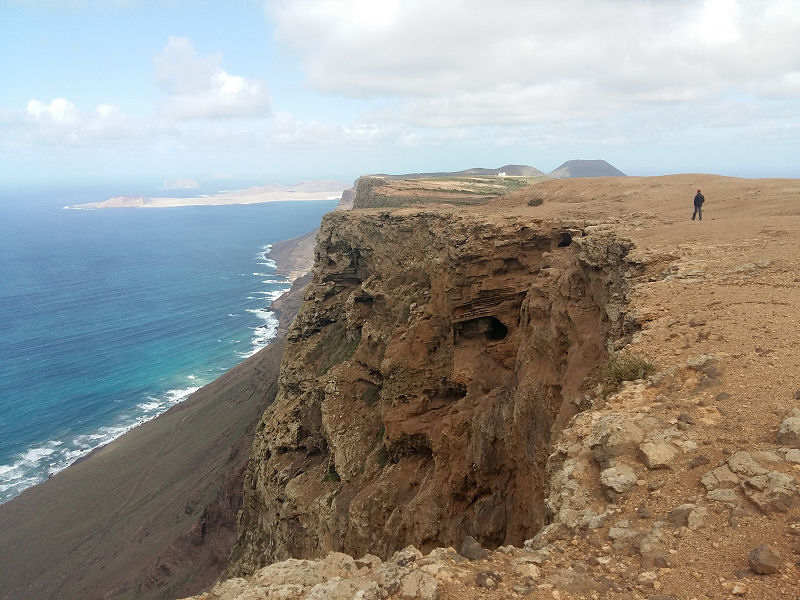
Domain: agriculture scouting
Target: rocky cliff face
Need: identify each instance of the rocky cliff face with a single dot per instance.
(436, 355)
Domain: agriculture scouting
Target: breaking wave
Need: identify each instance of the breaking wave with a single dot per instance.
(40, 462)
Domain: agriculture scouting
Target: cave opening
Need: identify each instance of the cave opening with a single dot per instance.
(566, 239)
(491, 329)
(496, 330)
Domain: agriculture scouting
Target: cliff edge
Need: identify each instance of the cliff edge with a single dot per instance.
(434, 358)
(451, 380)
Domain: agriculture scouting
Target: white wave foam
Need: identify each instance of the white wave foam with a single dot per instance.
(149, 406)
(262, 313)
(275, 294)
(263, 334)
(34, 455)
(263, 257)
(39, 462)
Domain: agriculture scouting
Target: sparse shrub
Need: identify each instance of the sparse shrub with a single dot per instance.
(332, 475)
(626, 368)
(382, 458)
(535, 201)
(370, 394)
(405, 314)
(334, 348)
(409, 445)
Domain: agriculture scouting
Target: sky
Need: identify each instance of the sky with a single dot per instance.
(203, 94)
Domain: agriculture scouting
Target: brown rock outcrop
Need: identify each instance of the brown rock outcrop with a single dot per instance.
(435, 356)
(714, 302)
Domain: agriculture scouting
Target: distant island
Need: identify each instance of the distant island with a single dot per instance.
(304, 191)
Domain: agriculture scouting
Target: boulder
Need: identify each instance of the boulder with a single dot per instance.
(527, 570)
(744, 465)
(727, 496)
(371, 591)
(789, 433)
(619, 478)
(721, 477)
(406, 556)
(471, 549)
(335, 588)
(420, 586)
(614, 435)
(792, 456)
(688, 515)
(306, 572)
(488, 580)
(772, 492)
(658, 455)
(764, 560)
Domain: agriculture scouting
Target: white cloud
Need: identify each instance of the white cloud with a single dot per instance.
(459, 62)
(59, 122)
(59, 110)
(198, 87)
(288, 130)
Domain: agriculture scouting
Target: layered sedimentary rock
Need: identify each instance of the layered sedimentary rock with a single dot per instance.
(435, 356)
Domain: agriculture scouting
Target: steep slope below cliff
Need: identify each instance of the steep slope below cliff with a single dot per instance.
(436, 355)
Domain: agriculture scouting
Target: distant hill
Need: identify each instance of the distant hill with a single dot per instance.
(510, 170)
(585, 168)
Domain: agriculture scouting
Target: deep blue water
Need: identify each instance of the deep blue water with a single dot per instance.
(109, 317)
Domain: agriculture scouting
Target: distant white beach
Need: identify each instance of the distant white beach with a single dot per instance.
(304, 191)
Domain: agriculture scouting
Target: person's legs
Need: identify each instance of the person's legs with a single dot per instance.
(694, 214)
(699, 213)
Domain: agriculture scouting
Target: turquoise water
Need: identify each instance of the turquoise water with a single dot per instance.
(109, 317)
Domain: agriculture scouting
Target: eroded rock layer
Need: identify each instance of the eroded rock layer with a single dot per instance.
(434, 358)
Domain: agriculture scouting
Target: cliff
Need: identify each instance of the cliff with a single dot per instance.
(448, 382)
(461, 189)
(435, 357)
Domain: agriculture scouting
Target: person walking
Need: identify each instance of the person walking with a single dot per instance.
(698, 206)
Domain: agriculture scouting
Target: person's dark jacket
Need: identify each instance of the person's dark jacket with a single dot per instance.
(698, 200)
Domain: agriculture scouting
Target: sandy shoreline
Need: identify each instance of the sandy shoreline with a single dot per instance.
(306, 192)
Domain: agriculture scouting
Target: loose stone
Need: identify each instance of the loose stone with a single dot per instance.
(658, 455)
(471, 549)
(764, 560)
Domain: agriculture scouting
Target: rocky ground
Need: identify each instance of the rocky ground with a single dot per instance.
(375, 190)
(683, 484)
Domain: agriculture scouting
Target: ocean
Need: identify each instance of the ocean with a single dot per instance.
(109, 317)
